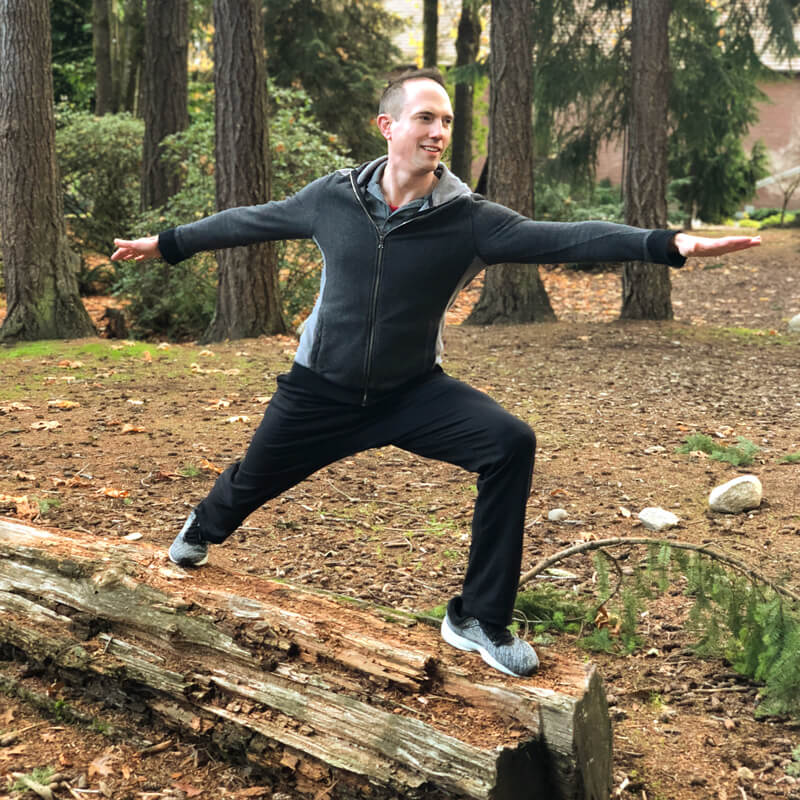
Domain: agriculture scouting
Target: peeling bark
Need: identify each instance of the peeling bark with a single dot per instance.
(332, 693)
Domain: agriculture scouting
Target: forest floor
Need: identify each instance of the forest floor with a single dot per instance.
(136, 432)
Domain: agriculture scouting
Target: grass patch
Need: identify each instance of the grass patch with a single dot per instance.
(40, 776)
(739, 455)
(791, 458)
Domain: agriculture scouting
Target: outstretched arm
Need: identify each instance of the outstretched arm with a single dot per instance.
(136, 249)
(688, 245)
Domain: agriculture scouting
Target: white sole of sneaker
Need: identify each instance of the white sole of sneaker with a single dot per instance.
(454, 639)
(200, 563)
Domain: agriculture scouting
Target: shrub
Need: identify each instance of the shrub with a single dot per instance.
(99, 159)
(179, 301)
(739, 455)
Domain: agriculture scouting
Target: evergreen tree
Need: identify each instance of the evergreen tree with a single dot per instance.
(339, 52)
(248, 303)
(706, 156)
(467, 46)
(39, 269)
(511, 292)
(164, 94)
(430, 33)
(72, 60)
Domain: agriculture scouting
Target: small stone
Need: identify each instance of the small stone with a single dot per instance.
(745, 775)
(132, 537)
(653, 449)
(658, 519)
(738, 495)
(794, 323)
(557, 515)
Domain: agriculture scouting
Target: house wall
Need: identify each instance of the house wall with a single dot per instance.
(778, 126)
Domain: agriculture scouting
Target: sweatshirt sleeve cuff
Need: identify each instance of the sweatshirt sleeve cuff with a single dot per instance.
(661, 249)
(168, 247)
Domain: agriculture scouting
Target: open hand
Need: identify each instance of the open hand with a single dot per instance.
(703, 246)
(136, 249)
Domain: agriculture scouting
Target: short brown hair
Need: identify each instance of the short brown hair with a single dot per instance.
(393, 95)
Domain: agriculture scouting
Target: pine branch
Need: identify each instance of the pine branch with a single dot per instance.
(620, 541)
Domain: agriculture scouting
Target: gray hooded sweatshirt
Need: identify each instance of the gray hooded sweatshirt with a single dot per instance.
(378, 320)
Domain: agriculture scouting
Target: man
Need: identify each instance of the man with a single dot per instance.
(400, 237)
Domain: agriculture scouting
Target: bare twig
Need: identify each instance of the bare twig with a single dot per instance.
(621, 541)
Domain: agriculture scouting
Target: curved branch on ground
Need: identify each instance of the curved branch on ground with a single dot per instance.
(620, 541)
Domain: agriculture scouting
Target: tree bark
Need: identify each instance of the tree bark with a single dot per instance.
(511, 292)
(133, 55)
(39, 269)
(101, 32)
(248, 297)
(430, 33)
(646, 288)
(164, 94)
(467, 46)
(299, 682)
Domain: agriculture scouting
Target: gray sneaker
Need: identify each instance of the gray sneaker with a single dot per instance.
(189, 549)
(498, 647)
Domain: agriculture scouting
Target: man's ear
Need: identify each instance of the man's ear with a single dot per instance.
(385, 125)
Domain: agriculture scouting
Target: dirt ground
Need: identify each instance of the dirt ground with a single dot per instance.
(117, 438)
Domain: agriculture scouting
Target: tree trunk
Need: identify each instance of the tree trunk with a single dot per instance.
(39, 269)
(133, 54)
(101, 33)
(511, 292)
(430, 33)
(248, 298)
(467, 46)
(316, 689)
(646, 287)
(164, 94)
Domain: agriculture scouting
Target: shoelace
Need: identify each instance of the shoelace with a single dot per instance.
(498, 635)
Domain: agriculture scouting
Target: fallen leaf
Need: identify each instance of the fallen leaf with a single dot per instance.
(24, 476)
(262, 399)
(207, 466)
(128, 428)
(206, 353)
(188, 789)
(45, 425)
(101, 766)
(136, 402)
(21, 505)
(601, 618)
(109, 492)
(238, 418)
(15, 406)
(625, 512)
(163, 346)
(67, 364)
(165, 476)
(147, 357)
(63, 404)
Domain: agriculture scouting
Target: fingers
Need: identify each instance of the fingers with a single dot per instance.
(135, 249)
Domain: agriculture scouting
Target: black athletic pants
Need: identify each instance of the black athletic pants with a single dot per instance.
(438, 418)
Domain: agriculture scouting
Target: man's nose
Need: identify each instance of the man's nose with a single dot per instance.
(437, 129)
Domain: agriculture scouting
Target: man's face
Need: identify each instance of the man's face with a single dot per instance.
(418, 137)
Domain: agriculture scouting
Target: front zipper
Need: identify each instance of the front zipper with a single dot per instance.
(373, 309)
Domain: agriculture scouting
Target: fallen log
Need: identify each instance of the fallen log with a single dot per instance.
(341, 699)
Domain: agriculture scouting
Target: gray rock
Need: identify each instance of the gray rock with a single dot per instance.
(794, 323)
(557, 515)
(658, 519)
(738, 495)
